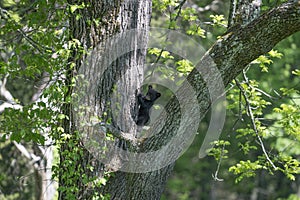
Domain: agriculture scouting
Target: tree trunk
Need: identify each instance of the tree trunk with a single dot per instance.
(114, 74)
(101, 20)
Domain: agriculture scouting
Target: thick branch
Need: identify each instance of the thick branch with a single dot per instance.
(243, 11)
(235, 50)
(231, 54)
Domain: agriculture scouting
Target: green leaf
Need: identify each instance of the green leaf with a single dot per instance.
(218, 20)
(263, 62)
(184, 66)
(245, 169)
(194, 29)
(8, 3)
(61, 116)
(73, 8)
(189, 14)
(275, 54)
(15, 137)
(296, 72)
(60, 129)
(154, 51)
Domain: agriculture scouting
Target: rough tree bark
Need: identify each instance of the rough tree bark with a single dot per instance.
(99, 21)
(231, 54)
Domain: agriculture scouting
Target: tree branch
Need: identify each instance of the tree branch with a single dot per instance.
(231, 54)
(4, 92)
(235, 50)
(249, 109)
(34, 159)
(10, 102)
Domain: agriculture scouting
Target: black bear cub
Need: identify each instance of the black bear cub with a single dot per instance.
(145, 103)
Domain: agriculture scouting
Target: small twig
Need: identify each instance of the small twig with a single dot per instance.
(249, 109)
(264, 93)
(32, 42)
(257, 89)
(215, 176)
(179, 7)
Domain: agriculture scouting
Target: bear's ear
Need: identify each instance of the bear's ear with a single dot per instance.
(158, 94)
(150, 87)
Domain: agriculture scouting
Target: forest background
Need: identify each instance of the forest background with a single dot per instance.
(256, 156)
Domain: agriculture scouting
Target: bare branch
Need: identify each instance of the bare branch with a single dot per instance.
(215, 176)
(5, 105)
(4, 92)
(10, 102)
(42, 84)
(31, 156)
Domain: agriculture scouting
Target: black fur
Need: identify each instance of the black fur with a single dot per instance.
(145, 103)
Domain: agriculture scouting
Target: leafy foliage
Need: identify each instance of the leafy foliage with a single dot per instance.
(35, 46)
(246, 169)
(219, 151)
